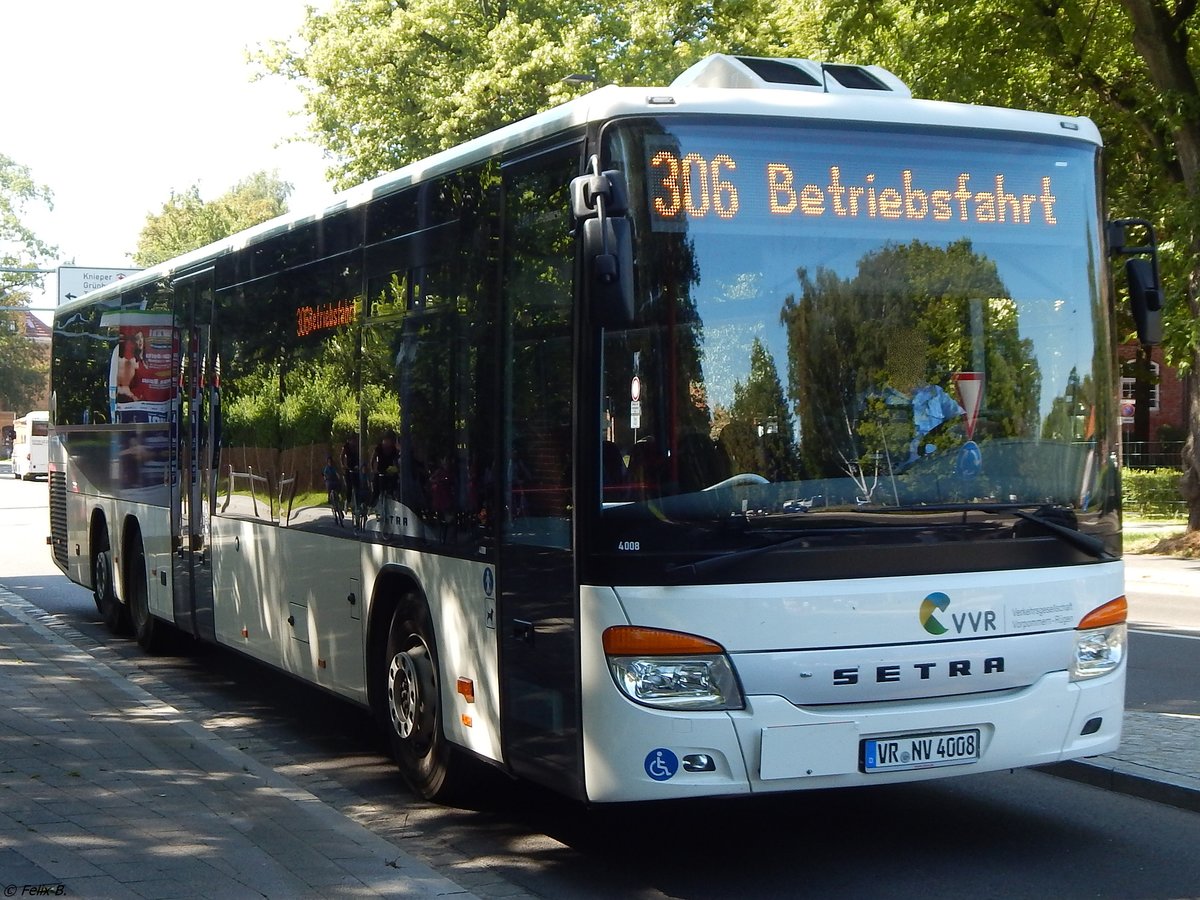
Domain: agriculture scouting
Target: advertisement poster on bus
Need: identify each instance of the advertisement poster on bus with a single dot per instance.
(141, 383)
(142, 390)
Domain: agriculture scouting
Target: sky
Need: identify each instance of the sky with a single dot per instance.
(114, 104)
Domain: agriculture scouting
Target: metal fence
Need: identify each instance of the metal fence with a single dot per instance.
(1152, 454)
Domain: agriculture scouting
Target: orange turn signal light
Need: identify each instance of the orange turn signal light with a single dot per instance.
(633, 640)
(1114, 612)
(466, 687)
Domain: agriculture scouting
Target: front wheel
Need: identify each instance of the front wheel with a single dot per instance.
(412, 704)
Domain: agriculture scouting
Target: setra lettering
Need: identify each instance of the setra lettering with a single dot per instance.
(925, 671)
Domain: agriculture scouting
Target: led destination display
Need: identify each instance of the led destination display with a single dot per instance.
(754, 183)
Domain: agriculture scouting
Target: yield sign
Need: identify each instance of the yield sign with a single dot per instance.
(970, 395)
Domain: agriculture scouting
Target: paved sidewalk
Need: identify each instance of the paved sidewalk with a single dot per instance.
(1159, 756)
(1159, 759)
(106, 791)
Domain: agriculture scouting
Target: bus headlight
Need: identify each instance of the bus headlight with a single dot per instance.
(1098, 652)
(671, 670)
(1100, 641)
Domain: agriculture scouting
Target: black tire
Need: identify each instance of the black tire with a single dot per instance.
(101, 580)
(114, 612)
(147, 630)
(412, 708)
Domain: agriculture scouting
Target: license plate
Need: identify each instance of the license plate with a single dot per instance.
(920, 751)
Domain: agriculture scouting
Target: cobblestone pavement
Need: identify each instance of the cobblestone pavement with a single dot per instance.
(1159, 759)
(107, 791)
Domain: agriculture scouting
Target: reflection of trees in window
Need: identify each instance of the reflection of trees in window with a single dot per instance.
(1072, 415)
(289, 384)
(380, 399)
(427, 365)
(674, 447)
(862, 349)
(79, 369)
(538, 269)
(760, 434)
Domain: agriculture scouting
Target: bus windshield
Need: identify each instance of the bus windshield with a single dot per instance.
(843, 331)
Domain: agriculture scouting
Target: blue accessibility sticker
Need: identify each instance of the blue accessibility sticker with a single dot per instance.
(489, 582)
(661, 764)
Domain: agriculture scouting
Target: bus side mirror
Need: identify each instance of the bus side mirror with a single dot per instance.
(608, 251)
(1141, 272)
(599, 201)
(1145, 300)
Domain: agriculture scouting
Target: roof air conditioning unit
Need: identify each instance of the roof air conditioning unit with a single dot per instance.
(721, 71)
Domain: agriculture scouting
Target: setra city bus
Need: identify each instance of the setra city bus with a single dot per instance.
(752, 434)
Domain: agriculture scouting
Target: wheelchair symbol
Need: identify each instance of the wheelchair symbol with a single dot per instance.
(661, 764)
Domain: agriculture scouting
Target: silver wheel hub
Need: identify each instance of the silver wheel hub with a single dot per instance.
(404, 694)
(101, 575)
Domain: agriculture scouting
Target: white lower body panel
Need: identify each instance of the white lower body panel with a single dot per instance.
(633, 752)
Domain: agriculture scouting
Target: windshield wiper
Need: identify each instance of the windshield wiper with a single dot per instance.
(1088, 543)
(711, 562)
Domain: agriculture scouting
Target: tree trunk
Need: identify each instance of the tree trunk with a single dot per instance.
(1190, 483)
(1160, 37)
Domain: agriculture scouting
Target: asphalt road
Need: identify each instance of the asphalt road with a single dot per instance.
(1019, 834)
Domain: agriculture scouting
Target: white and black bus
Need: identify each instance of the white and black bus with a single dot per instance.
(30, 447)
(756, 433)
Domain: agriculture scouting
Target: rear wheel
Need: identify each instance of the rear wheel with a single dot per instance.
(412, 702)
(116, 616)
(147, 630)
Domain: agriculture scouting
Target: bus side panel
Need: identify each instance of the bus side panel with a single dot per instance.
(154, 524)
(82, 496)
(461, 595)
(282, 596)
(75, 560)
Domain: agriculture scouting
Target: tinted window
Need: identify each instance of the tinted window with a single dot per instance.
(428, 472)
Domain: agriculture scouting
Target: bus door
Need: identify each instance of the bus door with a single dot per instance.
(537, 610)
(194, 457)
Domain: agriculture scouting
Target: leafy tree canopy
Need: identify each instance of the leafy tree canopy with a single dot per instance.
(18, 192)
(390, 81)
(188, 222)
(23, 371)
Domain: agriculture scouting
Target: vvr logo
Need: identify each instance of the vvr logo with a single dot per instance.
(971, 622)
(935, 601)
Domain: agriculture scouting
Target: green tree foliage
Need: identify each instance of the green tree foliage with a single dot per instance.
(1130, 65)
(860, 351)
(187, 221)
(761, 437)
(23, 368)
(390, 81)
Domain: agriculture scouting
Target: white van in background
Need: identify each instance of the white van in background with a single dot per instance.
(30, 452)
